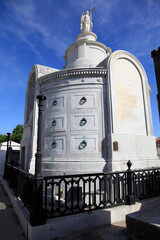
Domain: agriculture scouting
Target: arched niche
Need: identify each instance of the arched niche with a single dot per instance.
(130, 97)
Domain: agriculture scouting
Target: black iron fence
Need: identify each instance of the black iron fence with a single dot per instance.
(78, 193)
(54, 196)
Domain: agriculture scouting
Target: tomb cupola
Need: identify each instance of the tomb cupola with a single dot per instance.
(86, 51)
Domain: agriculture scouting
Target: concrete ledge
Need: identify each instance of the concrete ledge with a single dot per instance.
(145, 224)
(63, 226)
(21, 212)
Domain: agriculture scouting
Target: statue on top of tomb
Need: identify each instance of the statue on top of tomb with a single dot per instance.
(86, 21)
(86, 24)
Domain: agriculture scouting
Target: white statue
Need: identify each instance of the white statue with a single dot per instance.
(86, 22)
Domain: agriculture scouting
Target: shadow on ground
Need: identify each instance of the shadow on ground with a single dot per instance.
(110, 232)
(9, 224)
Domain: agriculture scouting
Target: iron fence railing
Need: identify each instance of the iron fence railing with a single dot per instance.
(22, 184)
(146, 183)
(78, 193)
(54, 196)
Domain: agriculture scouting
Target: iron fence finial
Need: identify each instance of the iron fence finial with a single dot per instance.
(129, 164)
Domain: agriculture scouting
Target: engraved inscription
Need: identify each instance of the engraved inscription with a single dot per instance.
(129, 98)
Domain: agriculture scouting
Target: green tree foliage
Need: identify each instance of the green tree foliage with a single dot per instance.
(3, 138)
(17, 133)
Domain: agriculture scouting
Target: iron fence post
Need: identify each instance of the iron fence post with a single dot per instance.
(37, 213)
(6, 161)
(38, 164)
(105, 190)
(37, 216)
(130, 198)
(10, 160)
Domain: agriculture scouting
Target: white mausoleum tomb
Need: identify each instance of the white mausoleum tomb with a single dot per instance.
(97, 114)
(3, 151)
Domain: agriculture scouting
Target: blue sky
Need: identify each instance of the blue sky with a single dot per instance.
(39, 32)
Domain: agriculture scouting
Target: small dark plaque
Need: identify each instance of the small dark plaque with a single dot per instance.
(115, 146)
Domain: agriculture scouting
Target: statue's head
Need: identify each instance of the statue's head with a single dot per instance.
(87, 12)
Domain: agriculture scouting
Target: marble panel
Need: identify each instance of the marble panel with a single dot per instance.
(129, 98)
(57, 123)
(82, 144)
(84, 100)
(84, 122)
(55, 145)
(56, 102)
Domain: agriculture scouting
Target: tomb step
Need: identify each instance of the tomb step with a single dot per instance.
(145, 224)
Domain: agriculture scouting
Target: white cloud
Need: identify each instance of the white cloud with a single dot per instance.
(55, 23)
(134, 24)
(26, 18)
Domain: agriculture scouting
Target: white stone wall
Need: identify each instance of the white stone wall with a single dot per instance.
(158, 149)
(131, 113)
(69, 123)
(3, 149)
(29, 140)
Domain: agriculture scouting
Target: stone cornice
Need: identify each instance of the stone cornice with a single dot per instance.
(72, 73)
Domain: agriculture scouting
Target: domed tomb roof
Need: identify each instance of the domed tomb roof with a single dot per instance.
(86, 52)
